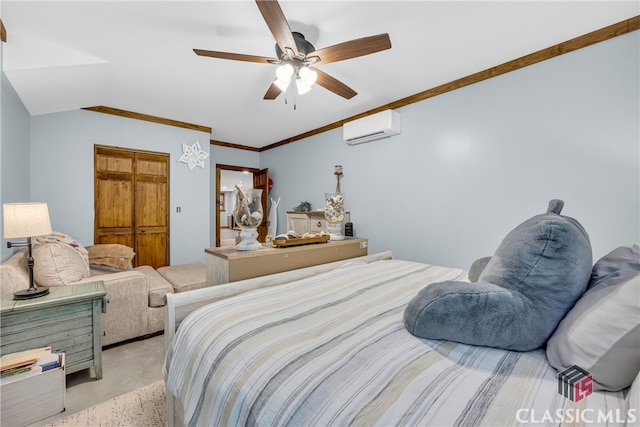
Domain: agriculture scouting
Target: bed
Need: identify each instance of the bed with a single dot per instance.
(326, 346)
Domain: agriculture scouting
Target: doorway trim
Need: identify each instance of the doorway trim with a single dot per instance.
(219, 169)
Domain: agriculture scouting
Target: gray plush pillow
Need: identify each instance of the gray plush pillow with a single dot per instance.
(601, 334)
(477, 268)
(533, 279)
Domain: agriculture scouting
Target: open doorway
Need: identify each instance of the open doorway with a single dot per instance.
(227, 176)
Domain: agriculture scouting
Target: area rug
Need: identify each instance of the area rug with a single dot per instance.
(145, 406)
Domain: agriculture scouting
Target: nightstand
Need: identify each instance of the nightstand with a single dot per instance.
(68, 320)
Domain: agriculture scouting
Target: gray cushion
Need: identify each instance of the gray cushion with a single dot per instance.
(601, 334)
(533, 279)
(477, 268)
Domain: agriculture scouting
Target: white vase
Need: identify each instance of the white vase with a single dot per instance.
(249, 239)
(334, 214)
(248, 215)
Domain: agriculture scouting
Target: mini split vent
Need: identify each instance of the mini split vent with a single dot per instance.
(376, 126)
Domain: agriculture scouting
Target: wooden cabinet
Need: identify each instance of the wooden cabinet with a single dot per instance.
(132, 202)
(261, 182)
(226, 265)
(68, 319)
(306, 222)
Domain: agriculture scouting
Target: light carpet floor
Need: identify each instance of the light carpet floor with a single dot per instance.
(145, 406)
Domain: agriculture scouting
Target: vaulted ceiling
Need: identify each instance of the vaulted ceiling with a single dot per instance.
(138, 56)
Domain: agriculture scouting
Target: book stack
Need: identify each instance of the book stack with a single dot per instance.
(28, 362)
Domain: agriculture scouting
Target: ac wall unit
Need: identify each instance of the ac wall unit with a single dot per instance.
(376, 126)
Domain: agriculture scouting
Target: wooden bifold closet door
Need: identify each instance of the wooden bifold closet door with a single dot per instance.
(131, 190)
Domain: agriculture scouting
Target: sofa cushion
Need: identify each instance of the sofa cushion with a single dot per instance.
(99, 269)
(58, 264)
(59, 237)
(158, 286)
(185, 277)
(601, 333)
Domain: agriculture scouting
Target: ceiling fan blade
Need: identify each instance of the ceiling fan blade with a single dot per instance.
(272, 92)
(235, 56)
(352, 49)
(334, 85)
(277, 23)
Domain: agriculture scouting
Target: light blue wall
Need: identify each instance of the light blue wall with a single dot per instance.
(14, 153)
(473, 163)
(62, 174)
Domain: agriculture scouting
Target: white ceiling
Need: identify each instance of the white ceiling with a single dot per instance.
(137, 56)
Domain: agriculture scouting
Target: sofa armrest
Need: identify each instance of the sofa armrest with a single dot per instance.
(158, 285)
(13, 273)
(128, 301)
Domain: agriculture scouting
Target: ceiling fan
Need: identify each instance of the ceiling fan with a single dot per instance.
(295, 55)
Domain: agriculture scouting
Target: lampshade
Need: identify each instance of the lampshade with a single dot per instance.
(302, 87)
(284, 72)
(26, 220)
(308, 76)
(282, 85)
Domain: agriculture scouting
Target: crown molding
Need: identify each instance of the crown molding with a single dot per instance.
(606, 33)
(148, 118)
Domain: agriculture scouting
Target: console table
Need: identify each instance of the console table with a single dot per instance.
(68, 319)
(226, 264)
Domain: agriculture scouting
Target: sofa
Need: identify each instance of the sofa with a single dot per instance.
(136, 302)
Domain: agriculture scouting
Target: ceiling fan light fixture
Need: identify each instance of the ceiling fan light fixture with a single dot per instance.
(284, 72)
(282, 85)
(302, 87)
(308, 76)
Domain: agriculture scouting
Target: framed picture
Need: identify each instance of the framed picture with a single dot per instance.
(221, 202)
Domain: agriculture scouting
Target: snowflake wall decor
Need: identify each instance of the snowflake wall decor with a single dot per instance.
(193, 155)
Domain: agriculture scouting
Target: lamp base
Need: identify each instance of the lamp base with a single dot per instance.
(31, 293)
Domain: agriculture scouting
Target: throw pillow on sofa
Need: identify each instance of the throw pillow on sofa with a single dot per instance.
(59, 237)
(111, 255)
(58, 264)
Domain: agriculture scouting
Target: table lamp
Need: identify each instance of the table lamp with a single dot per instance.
(26, 220)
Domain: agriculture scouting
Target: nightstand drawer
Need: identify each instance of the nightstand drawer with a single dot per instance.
(67, 329)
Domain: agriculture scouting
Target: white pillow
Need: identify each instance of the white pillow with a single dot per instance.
(58, 264)
(601, 333)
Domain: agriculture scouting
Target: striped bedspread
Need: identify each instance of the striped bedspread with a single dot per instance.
(331, 350)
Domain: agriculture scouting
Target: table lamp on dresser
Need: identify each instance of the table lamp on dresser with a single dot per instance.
(26, 220)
